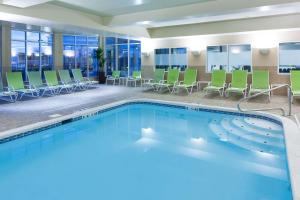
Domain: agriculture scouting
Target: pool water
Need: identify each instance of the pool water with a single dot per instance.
(149, 152)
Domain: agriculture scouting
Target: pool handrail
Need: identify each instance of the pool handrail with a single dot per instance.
(267, 109)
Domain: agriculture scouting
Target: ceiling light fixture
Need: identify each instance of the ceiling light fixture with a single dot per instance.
(144, 22)
(138, 2)
(264, 8)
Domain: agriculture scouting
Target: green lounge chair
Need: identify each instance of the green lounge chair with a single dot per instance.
(171, 82)
(78, 78)
(66, 79)
(217, 83)
(295, 83)
(6, 94)
(52, 81)
(15, 84)
(189, 81)
(260, 82)
(114, 77)
(159, 76)
(238, 83)
(36, 82)
(136, 77)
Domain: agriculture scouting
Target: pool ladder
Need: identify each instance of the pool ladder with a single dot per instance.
(268, 109)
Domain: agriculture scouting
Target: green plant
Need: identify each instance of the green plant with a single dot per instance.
(100, 58)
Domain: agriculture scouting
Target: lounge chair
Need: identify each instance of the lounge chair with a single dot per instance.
(114, 77)
(217, 83)
(78, 78)
(52, 81)
(171, 82)
(159, 76)
(36, 82)
(15, 84)
(260, 82)
(189, 81)
(136, 77)
(66, 79)
(295, 83)
(238, 84)
(6, 94)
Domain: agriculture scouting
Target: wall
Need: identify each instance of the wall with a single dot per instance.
(258, 40)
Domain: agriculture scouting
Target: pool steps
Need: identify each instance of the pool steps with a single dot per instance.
(239, 133)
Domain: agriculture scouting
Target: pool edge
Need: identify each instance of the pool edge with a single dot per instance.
(291, 130)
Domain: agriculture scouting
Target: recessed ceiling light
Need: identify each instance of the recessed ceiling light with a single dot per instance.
(138, 2)
(264, 8)
(144, 22)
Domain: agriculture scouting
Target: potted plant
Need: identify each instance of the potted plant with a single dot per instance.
(101, 64)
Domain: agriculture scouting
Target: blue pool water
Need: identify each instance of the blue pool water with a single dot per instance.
(149, 152)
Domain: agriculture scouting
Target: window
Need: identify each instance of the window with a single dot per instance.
(31, 51)
(171, 57)
(122, 54)
(135, 56)
(229, 57)
(289, 54)
(217, 57)
(240, 57)
(79, 52)
(162, 58)
(110, 51)
(178, 58)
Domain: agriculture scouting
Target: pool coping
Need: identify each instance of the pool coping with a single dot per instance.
(291, 130)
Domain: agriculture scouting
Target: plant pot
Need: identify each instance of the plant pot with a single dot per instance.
(102, 78)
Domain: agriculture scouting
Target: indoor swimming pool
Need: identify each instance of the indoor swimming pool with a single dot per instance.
(149, 151)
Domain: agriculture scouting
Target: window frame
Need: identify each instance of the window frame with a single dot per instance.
(278, 56)
(39, 42)
(228, 45)
(169, 56)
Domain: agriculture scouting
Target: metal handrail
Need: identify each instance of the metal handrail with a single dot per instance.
(266, 109)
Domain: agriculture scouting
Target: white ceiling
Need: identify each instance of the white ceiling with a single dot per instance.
(141, 16)
(120, 7)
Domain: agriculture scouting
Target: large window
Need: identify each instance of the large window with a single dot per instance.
(122, 54)
(289, 54)
(31, 51)
(80, 52)
(229, 57)
(171, 58)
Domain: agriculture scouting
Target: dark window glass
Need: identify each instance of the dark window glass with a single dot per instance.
(68, 39)
(18, 35)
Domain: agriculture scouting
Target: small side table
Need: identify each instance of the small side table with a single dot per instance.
(123, 81)
(201, 82)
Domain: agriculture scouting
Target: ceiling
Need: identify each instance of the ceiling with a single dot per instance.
(146, 15)
(121, 7)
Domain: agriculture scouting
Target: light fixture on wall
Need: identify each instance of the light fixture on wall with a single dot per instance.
(196, 52)
(264, 51)
(146, 54)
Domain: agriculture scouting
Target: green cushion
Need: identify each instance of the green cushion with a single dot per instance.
(295, 80)
(239, 79)
(190, 76)
(238, 90)
(15, 80)
(296, 93)
(116, 74)
(218, 78)
(51, 78)
(77, 75)
(65, 76)
(173, 75)
(260, 79)
(213, 88)
(35, 79)
(159, 75)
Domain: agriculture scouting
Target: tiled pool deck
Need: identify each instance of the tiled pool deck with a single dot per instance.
(33, 110)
